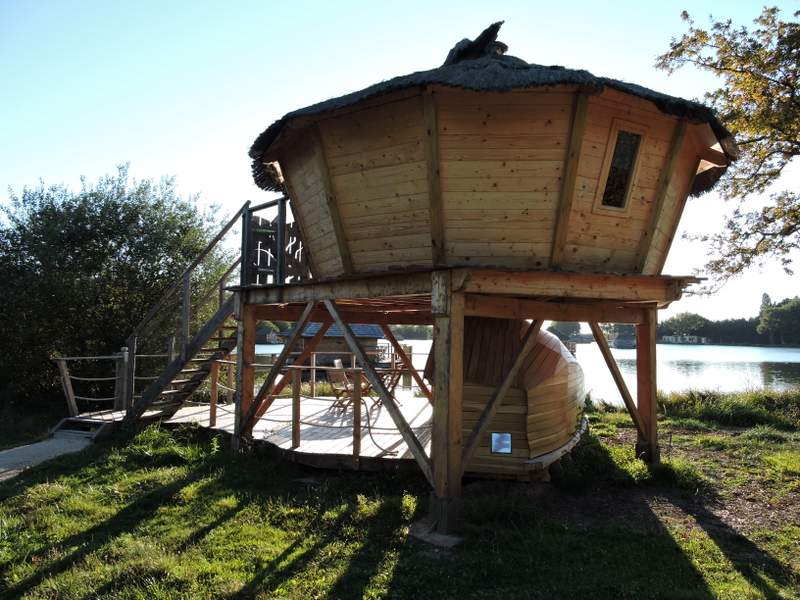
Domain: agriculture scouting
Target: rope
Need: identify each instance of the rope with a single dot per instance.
(92, 378)
(95, 399)
(369, 431)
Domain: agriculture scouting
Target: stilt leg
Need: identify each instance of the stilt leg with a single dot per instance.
(647, 446)
(446, 444)
(245, 372)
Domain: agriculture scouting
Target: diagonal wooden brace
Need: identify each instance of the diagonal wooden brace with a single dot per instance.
(602, 343)
(407, 361)
(417, 449)
(285, 380)
(277, 366)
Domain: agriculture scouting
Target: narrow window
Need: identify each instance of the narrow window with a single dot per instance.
(501, 443)
(620, 171)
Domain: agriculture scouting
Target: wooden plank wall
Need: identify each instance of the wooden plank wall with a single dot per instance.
(605, 242)
(303, 169)
(501, 160)
(510, 418)
(377, 167)
(553, 410)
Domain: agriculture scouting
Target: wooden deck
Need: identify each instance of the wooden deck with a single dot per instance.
(326, 432)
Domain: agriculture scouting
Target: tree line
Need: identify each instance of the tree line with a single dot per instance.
(777, 323)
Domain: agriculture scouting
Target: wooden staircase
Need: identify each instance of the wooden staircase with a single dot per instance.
(186, 372)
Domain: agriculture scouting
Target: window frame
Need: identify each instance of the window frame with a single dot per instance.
(618, 125)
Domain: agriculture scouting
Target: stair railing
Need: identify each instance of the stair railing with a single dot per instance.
(183, 309)
(180, 295)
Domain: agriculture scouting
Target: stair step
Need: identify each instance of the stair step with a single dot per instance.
(173, 392)
(194, 371)
(180, 381)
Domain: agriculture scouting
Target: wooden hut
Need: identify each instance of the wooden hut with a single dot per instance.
(497, 189)
(473, 197)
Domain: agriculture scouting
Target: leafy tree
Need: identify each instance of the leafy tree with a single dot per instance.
(781, 321)
(80, 270)
(685, 323)
(759, 102)
(564, 330)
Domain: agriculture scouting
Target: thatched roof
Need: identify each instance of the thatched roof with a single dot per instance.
(481, 65)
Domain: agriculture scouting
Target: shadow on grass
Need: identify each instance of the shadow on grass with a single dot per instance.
(746, 557)
(274, 572)
(576, 539)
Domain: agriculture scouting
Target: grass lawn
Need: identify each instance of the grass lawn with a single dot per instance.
(171, 513)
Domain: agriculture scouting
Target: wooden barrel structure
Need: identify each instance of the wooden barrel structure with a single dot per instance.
(490, 162)
(542, 411)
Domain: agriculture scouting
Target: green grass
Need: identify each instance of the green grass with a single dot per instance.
(174, 514)
(743, 409)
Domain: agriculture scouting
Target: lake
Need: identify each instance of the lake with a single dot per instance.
(680, 367)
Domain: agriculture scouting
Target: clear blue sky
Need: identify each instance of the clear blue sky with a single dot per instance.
(183, 88)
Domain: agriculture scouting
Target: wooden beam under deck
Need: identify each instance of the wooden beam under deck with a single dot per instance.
(482, 305)
(531, 284)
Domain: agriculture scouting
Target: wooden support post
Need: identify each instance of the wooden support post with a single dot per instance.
(602, 343)
(446, 442)
(297, 381)
(230, 383)
(647, 448)
(355, 378)
(406, 360)
(212, 409)
(312, 378)
(120, 395)
(245, 372)
(66, 383)
(411, 440)
(130, 371)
